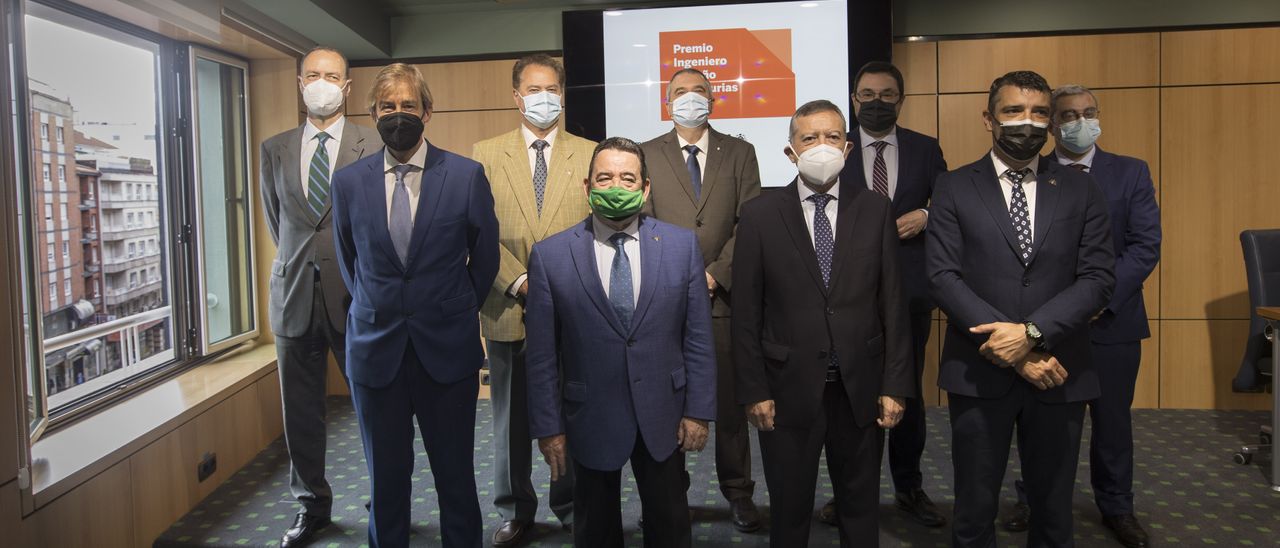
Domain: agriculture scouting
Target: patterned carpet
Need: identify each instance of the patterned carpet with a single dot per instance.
(1188, 492)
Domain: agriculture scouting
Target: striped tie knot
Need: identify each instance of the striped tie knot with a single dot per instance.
(880, 146)
(323, 137)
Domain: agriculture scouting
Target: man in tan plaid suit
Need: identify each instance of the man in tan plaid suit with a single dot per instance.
(536, 172)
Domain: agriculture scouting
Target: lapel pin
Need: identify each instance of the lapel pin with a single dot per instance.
(1053, 182)
(657, 238)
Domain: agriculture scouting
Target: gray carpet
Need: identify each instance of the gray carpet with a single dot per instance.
(1188, 491)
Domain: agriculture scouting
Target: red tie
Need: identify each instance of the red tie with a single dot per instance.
(880, 173)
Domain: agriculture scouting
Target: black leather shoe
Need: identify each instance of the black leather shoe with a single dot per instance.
(511, 533)
(1019, 520)
(746, 518)
(827, 514)
(916, 504)
(1127, 530)
(304, 529)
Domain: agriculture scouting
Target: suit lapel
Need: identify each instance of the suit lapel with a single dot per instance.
(987, 186)
(671, 151)
(375, 200)
(350, 149)
(584, 260)
(519, 178)
(560, 177)
(650, 265)
(793, 219)
(844, 227)
(714, 159)
(292, 155)
(1047, 192)
(433, 177)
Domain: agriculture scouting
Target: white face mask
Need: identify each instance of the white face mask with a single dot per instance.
(821, 164)
(542, 109)
(1078, 135)
(322, 97)
(690, 110)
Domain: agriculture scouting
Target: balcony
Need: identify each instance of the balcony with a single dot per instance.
(91, 269)
(88, 237)
(113, 233)
(116, 297)
(121, 264)
(121, 202)
(88, 204)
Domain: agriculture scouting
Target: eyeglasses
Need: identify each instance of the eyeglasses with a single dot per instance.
(1073, 115)
(888, 96)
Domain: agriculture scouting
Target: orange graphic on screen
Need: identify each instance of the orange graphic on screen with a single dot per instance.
(750, 70)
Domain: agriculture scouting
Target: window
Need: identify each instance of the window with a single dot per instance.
(53, 265)
(65, 220)
(53, 296)
(48, 217)
(129, 222)
(44, 132)
(66, 252)
(132, 249)
(66, 289)
(47, 171)
(62, 170)
(60, 135)
(133, 280)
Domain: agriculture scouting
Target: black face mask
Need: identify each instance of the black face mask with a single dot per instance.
(1023, 142)
(400, 130)
(877, 115)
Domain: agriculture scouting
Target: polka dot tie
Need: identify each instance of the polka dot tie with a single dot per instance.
(823, 241)
(1020, 213)
(620, 291)
(540, 173)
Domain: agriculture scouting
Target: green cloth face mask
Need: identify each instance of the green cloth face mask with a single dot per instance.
(615, 203)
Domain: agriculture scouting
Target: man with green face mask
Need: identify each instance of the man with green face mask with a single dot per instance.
(620, 361)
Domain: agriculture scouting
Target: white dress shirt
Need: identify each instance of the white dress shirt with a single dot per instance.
(310, 143)
(1086, 161)
(605, 251)
(808, 207)
(529, 138)
(412, 179)
(890, 159)
(1028, 187)
(703, 143)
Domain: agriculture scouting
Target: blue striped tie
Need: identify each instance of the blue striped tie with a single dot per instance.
(318, 177)
(620, 288)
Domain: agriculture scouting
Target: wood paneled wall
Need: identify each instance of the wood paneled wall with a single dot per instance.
(1203, 109)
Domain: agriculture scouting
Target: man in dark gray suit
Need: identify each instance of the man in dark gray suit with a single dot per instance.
(700, 178)
(308, 298)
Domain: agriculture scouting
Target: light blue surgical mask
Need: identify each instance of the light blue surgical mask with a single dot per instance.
(690, 110)
(1080, 134)
(542, 109)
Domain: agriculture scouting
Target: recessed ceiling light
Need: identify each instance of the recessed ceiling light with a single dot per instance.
(639, 45)
(809, 5)
(613, 13)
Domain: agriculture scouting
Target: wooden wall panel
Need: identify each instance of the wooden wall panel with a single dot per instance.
(98, 513)
(231, 430)
(335, 383)
(920, 113)
(932, 350)
(918, 62)
(270, 412)
(1198, 359)
(1214, 141)
(170, 488)
(961, 133)
(1146, 394)
(472, 85)
(457, 131)
(1229, 56)
(1100, 61)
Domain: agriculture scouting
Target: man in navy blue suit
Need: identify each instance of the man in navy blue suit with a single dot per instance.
(418, 248)
(621, 362)
(901, 165)
(1118, 331)
(1019, 257)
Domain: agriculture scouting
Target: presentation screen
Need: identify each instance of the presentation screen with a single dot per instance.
(763, 61)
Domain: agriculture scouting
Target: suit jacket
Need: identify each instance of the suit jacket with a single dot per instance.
(506, 164)
(599, 383)
(432, 301)
(785, 321)
(977, 276)
(919, 164)
(730, 178)
(303, 240)
(1135, 233)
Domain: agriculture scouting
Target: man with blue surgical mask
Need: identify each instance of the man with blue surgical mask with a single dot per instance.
(1117, 331)
(535, 172)
(700, 178)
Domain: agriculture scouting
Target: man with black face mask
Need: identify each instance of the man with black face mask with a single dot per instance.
(413, 333)
(901, 165)
(1019, 257)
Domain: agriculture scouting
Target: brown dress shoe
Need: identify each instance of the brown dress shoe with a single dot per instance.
(511, 533)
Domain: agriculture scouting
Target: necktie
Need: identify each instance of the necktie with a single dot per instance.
(620, 281)
(1080, 167)
(540, 172)
(879, 172)
(823, 241)
(1020, 213)
(401, 225)
(318, 177)
(695, 171)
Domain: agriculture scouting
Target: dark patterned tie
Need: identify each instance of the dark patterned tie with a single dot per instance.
(540, 172)
(880, 173)
(318, 177)
(823, 241)
(1020, 213)
(620, 293)
(695, 171)
(401, 225)
(1080, 167)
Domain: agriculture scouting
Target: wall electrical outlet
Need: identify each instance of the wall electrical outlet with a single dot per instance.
(207, 466)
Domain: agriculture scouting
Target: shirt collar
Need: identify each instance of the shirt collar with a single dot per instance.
(806, 192)
(309, 130)
(1087, 160)
(867, 139)
(703, 142)
(418, 160)
(1001, 167)
(529, 137)
(603, 232)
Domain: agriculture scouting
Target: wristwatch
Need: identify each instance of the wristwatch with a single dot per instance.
(1034, 335)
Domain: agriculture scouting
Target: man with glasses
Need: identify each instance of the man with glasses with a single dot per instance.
(1117, 331)
(901, 165)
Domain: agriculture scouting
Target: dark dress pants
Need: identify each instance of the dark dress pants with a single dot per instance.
(733, 437)
(790, 458)
(302, 363)
(597, 506)
(446, 416)
(906, 440)
(1049, 447)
